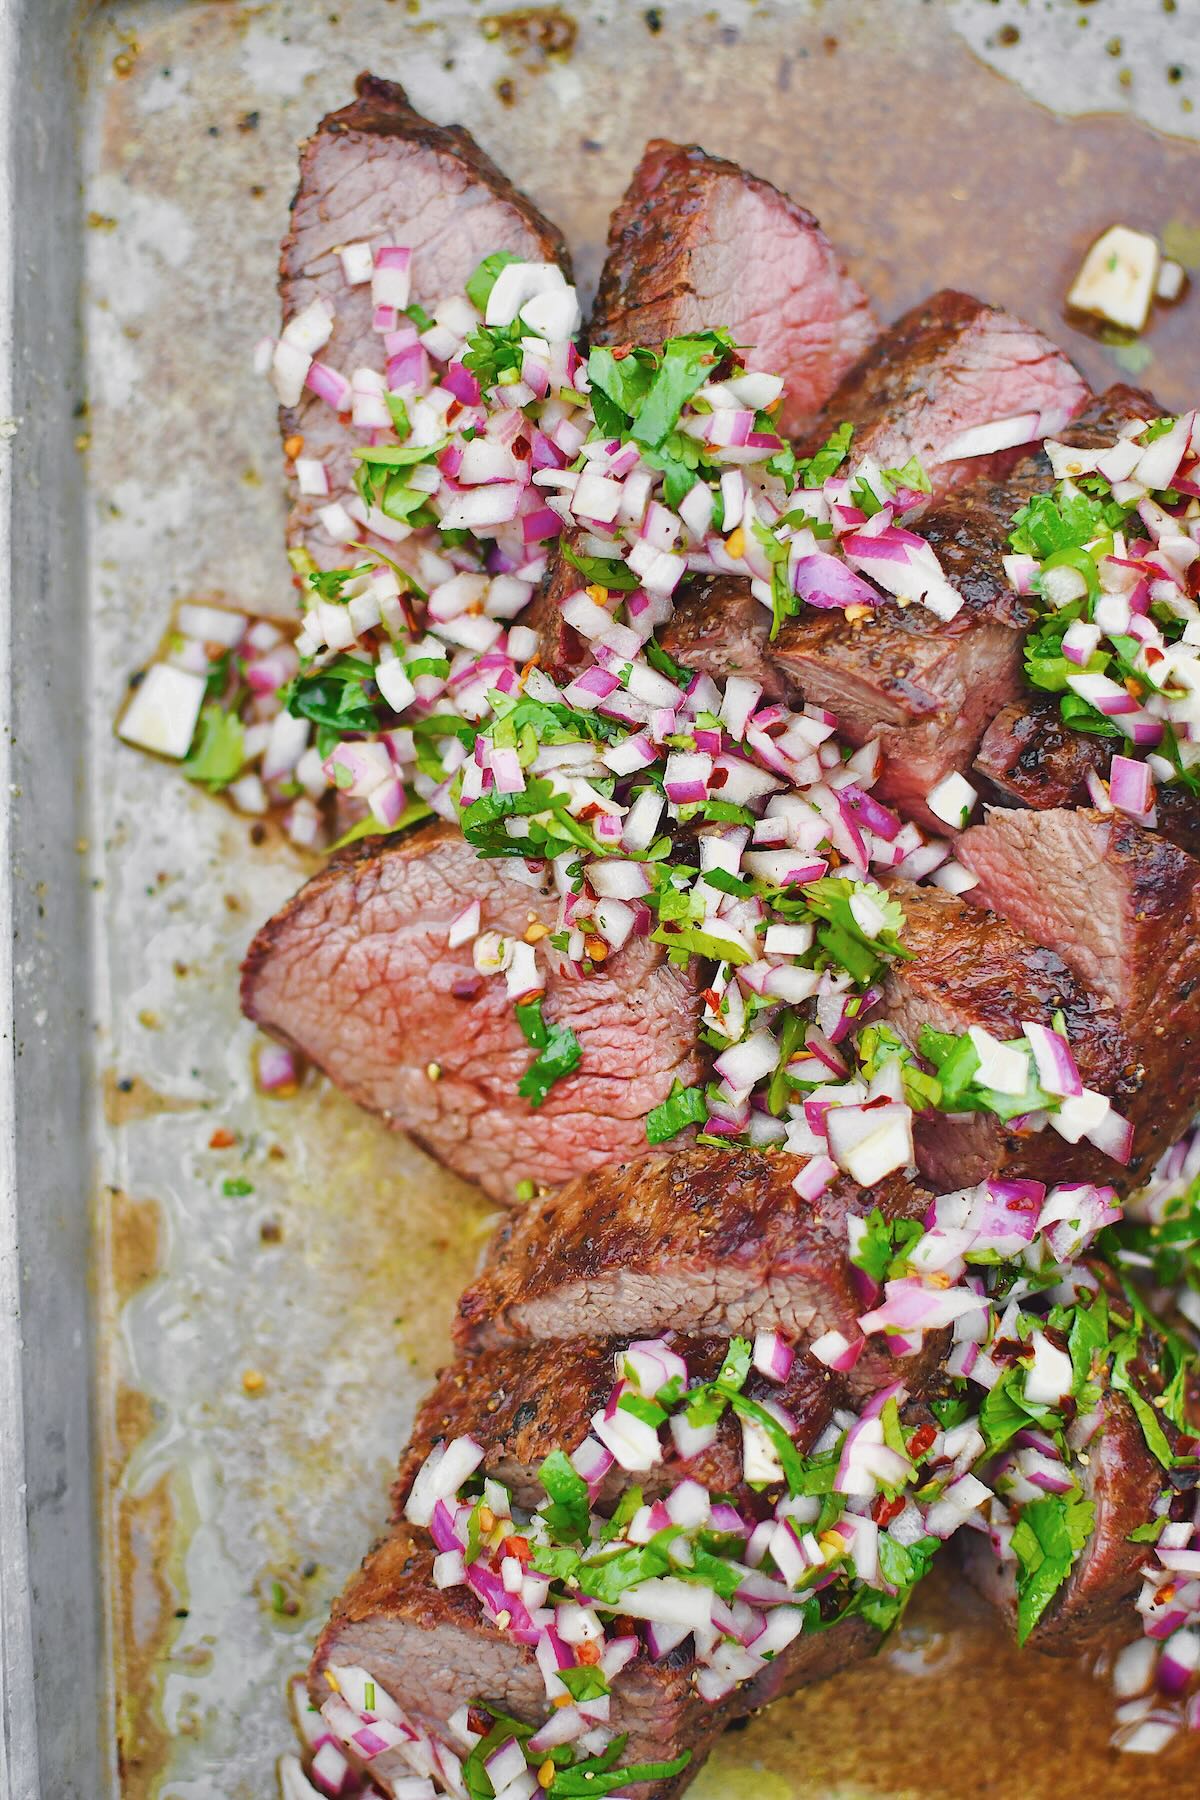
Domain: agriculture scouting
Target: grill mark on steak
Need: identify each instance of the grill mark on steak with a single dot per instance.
(355, 972)
(430, 1649)
(972, 968)
(698, 242)
(949, 364)
(701, 1242)
(521, 1402)
(377, 170)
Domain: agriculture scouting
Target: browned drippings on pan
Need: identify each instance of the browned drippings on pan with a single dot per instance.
(334, 1279)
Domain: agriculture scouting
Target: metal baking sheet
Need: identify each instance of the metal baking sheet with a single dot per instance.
(222, 1343)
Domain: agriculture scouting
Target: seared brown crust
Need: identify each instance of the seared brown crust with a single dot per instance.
(382, 109)
(521, 1402)
(704, 1241)
(372, 168)
(1093, 1608)
(971, 968)
(432, 1650)
(925, 687)
(1122, 1478)
(680, 259)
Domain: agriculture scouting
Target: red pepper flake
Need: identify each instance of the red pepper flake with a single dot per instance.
(222, 1139)
(518, 1547)
(883, 1510)
(921, 1440)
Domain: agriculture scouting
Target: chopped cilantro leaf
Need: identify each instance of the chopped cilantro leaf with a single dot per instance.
(218, 749)
(600, 570)
(560, 1054)
(1046, 1541)
(683, 1107)
(584, 1682)
(494, 354)
(1060, 521)
(829, 458)
(335, 696)
(685, 365)
(330, 584)
(568, 1513)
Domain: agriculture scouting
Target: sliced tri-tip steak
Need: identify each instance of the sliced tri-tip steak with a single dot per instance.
(698, 242)
(433, 1651)
(703, 1242)
(1094, 1606)
(950, 367)
(523, 1401)
(1121, 905)
(971, 968)
(1030, 757)
(355, 972)
(377, 172)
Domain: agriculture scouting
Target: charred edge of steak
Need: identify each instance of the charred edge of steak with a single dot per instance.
(708, 1242)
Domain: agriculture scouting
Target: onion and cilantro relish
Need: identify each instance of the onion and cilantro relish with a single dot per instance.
(1111, 556)
(739, 835)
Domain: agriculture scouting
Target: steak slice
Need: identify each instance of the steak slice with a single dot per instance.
(972, 968)
(432, 1650)
(1030, 757)
(698, 242)
(523, 1401)
(1094, 1605)
(951, 364)
(1120, 904)
(355, 973)
(377, 172)
(701, 1242)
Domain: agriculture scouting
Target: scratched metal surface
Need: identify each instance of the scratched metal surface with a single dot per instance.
(230, 1517)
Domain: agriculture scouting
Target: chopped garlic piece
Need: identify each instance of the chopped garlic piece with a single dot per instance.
(952, 800)
(1171, 277)
(163, 712)
(1118, 277)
